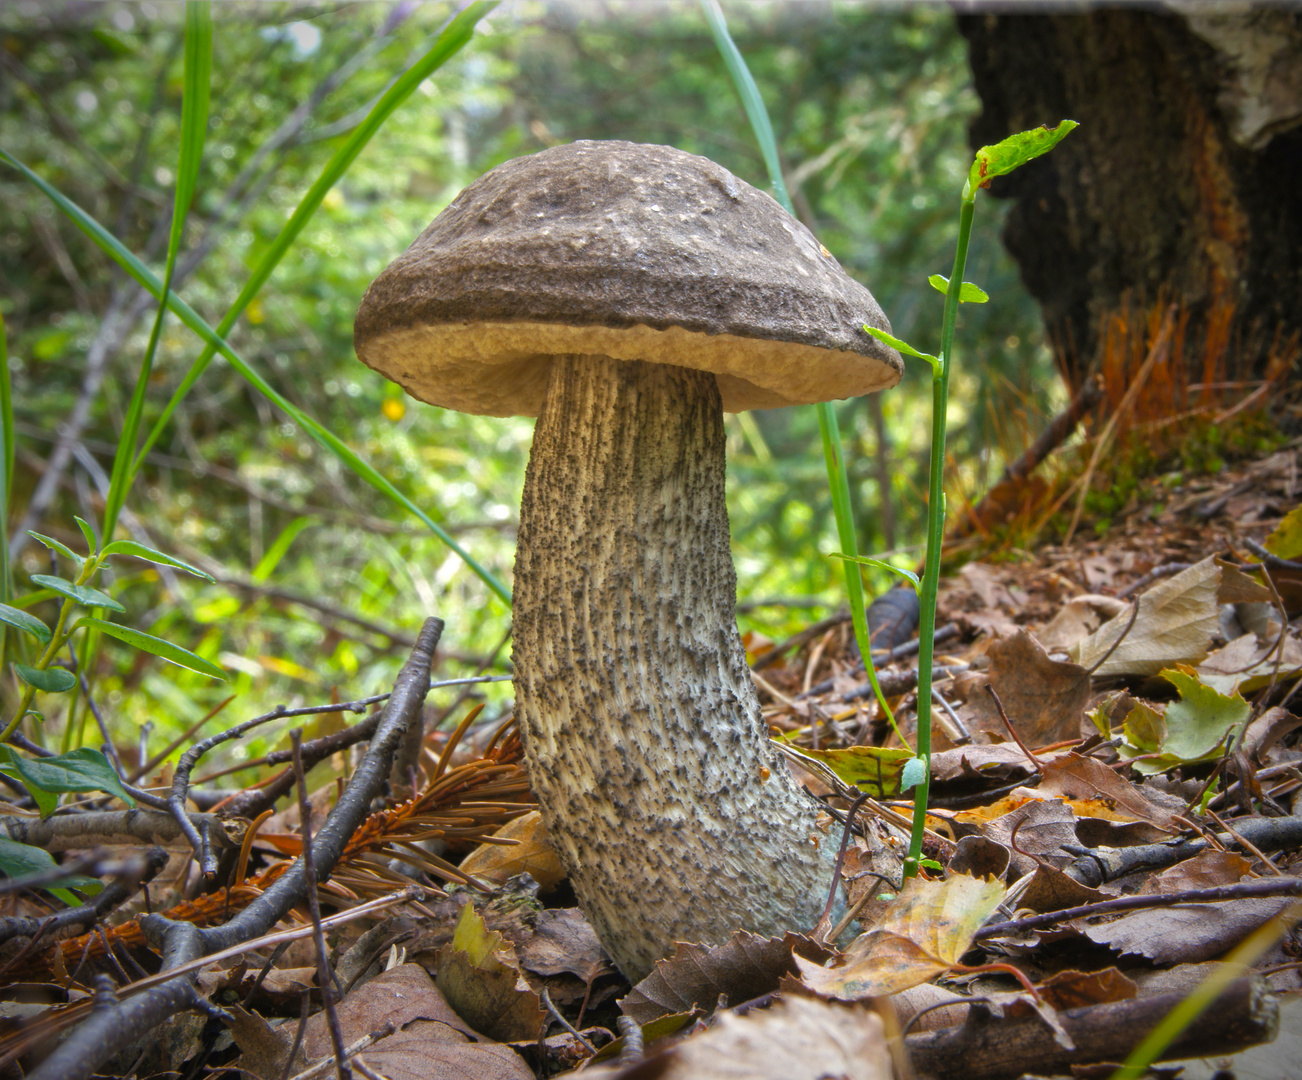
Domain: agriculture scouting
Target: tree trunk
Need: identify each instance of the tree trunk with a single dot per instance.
(663, 798)
(1181, 185)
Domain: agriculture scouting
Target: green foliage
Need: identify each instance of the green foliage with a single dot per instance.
(85, 769)
(20, 860)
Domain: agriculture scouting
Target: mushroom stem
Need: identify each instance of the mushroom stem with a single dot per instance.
(642, 732)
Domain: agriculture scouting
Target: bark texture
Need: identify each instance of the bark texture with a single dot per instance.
(641, 728)
(1181, 183)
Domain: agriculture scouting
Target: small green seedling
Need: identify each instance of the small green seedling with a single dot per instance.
(990, 161)
(83, 769)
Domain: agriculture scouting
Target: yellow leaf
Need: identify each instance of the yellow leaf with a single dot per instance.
(1286, 540)
(921, 935)
(530, 853)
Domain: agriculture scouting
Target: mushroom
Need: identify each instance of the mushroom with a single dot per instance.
(627, 295)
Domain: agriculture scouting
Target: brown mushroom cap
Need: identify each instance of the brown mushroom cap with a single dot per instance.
(627, 251)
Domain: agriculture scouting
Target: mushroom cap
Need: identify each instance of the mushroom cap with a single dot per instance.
(620, 250)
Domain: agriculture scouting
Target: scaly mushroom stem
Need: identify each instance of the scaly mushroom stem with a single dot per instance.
(642, 731)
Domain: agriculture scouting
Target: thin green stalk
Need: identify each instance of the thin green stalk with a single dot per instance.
(837, 480)
(935, 529)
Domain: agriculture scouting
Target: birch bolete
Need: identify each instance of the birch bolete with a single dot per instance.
(628, 295)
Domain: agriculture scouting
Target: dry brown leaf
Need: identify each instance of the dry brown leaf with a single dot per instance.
(1000, 761)
(1042, 827)
(1240, 588)
(1185, 932)
(979, 856)
(564, 941)
(431, 1042)
(1084, 779)
(1076, 989)
(429, 1051)
(1209, 869)
(1176, 620)
(1078, 618)
(532, 854)
(797, 1039)
(1247, 664)
(922, 934)
(746, 966)
(1044, 699)
(1053, 890)
(479, 975)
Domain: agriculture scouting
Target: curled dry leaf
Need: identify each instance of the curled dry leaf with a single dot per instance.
(530, 853)
(922, 934)
(744, 967)
(796, 1039)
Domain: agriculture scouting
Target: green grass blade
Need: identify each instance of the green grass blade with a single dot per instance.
(6, 468)
(750, 99)
(838, 481)
(454, 36)
(194, 128)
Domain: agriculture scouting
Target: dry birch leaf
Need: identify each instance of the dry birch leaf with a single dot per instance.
(923, 934)
(1175, 624)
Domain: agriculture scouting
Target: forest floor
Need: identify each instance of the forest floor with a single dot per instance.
(1113, 823)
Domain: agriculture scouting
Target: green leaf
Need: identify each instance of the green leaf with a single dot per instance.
(130, 547)
(915, 772)
(756, 111)
(89, 533)
(1197, 728)
(967, 292)
(1203, 722)
(22, 860)
(21, 620)
(75, 771)
(51, 680)
(82, 594)
(901, 346)
(157, 646)
(267, 564)
(872, 769)
(1014, 152)
(54, 544)
(881, 564)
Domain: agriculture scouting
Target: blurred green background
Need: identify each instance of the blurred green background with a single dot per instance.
(870, 105)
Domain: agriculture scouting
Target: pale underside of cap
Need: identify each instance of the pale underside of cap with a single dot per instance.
(621, 251)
